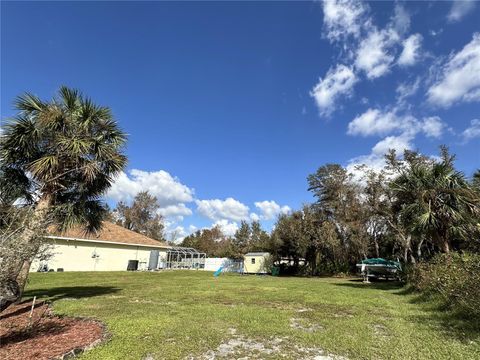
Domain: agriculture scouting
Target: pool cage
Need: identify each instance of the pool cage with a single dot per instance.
(184, 258)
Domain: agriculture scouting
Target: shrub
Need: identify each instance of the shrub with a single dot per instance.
(455, 278)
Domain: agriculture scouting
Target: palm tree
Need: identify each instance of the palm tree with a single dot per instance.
(66, 152)
(436, 200)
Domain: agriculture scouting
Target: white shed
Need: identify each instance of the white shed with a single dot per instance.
(256, 263)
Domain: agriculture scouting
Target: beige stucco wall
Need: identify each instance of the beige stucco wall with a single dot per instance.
(73, 255)
(258, 267)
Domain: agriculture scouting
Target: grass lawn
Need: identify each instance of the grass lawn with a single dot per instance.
(182, 314)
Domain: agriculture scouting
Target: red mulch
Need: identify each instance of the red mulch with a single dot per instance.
(48, 337)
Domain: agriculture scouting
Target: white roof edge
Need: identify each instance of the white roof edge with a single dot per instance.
(106, 242)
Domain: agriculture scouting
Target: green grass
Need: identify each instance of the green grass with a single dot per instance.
(171, 315)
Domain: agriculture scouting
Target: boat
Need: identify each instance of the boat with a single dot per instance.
(378, 267)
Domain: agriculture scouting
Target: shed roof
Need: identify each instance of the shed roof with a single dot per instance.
(257, 253)
(109, 233)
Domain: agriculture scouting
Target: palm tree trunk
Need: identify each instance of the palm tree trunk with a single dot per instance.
(29, 240)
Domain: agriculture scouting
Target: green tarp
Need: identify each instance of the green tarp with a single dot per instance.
(380, 261)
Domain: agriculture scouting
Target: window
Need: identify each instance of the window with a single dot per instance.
(253, 260)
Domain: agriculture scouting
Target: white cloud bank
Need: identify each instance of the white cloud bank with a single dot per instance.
(460, 78)
(228, 228)
(169, 191)
(173, 198)
(216, 209)
(399, 131)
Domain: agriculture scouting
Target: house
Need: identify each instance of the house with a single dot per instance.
(256, 263)
(109, 249)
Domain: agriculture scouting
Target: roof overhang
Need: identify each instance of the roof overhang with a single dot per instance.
(106, 242)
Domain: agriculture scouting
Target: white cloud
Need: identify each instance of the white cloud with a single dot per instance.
(374, 55)
(366, 162)
(473, 131)
(175, 234)
(175, 210)
(270, 209)
(376, 159)
(169, 191)
(381, 123)
(411, 50)
(405, 90)
(433, 126)
(460, 9)
(216, 209)
(337, 82)
(254, 217)
(460, 78)
(398, 143)
(374, 122)
(227, 228)
(343, 18)
(401, 19)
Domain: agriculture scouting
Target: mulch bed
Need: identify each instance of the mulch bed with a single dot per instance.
(44, 336)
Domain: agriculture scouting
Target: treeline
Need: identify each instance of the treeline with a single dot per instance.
(249, 237)
(411, 209)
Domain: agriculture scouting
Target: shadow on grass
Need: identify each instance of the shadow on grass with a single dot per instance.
(379, 284)
(70, 292)
(452, 322)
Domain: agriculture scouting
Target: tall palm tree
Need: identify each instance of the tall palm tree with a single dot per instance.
(66, 153)
(437, 201)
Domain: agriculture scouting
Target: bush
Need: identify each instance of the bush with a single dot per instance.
(455, 278)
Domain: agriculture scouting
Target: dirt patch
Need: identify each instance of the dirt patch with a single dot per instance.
(302, 310)
(343, 314)
(45, 336)
(304, 325)
(380, 330)
(242, 348)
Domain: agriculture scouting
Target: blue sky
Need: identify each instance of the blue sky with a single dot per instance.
(229, 106)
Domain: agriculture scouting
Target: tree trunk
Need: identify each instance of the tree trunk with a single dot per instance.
(22, 277)
(446, 247)
(419, 249)
(412, 259)
(28, 240)
(377, 247)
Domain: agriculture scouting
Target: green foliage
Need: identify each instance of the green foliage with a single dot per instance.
(454, 278)
(142, 216)
(212, 242)
(242, 236)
